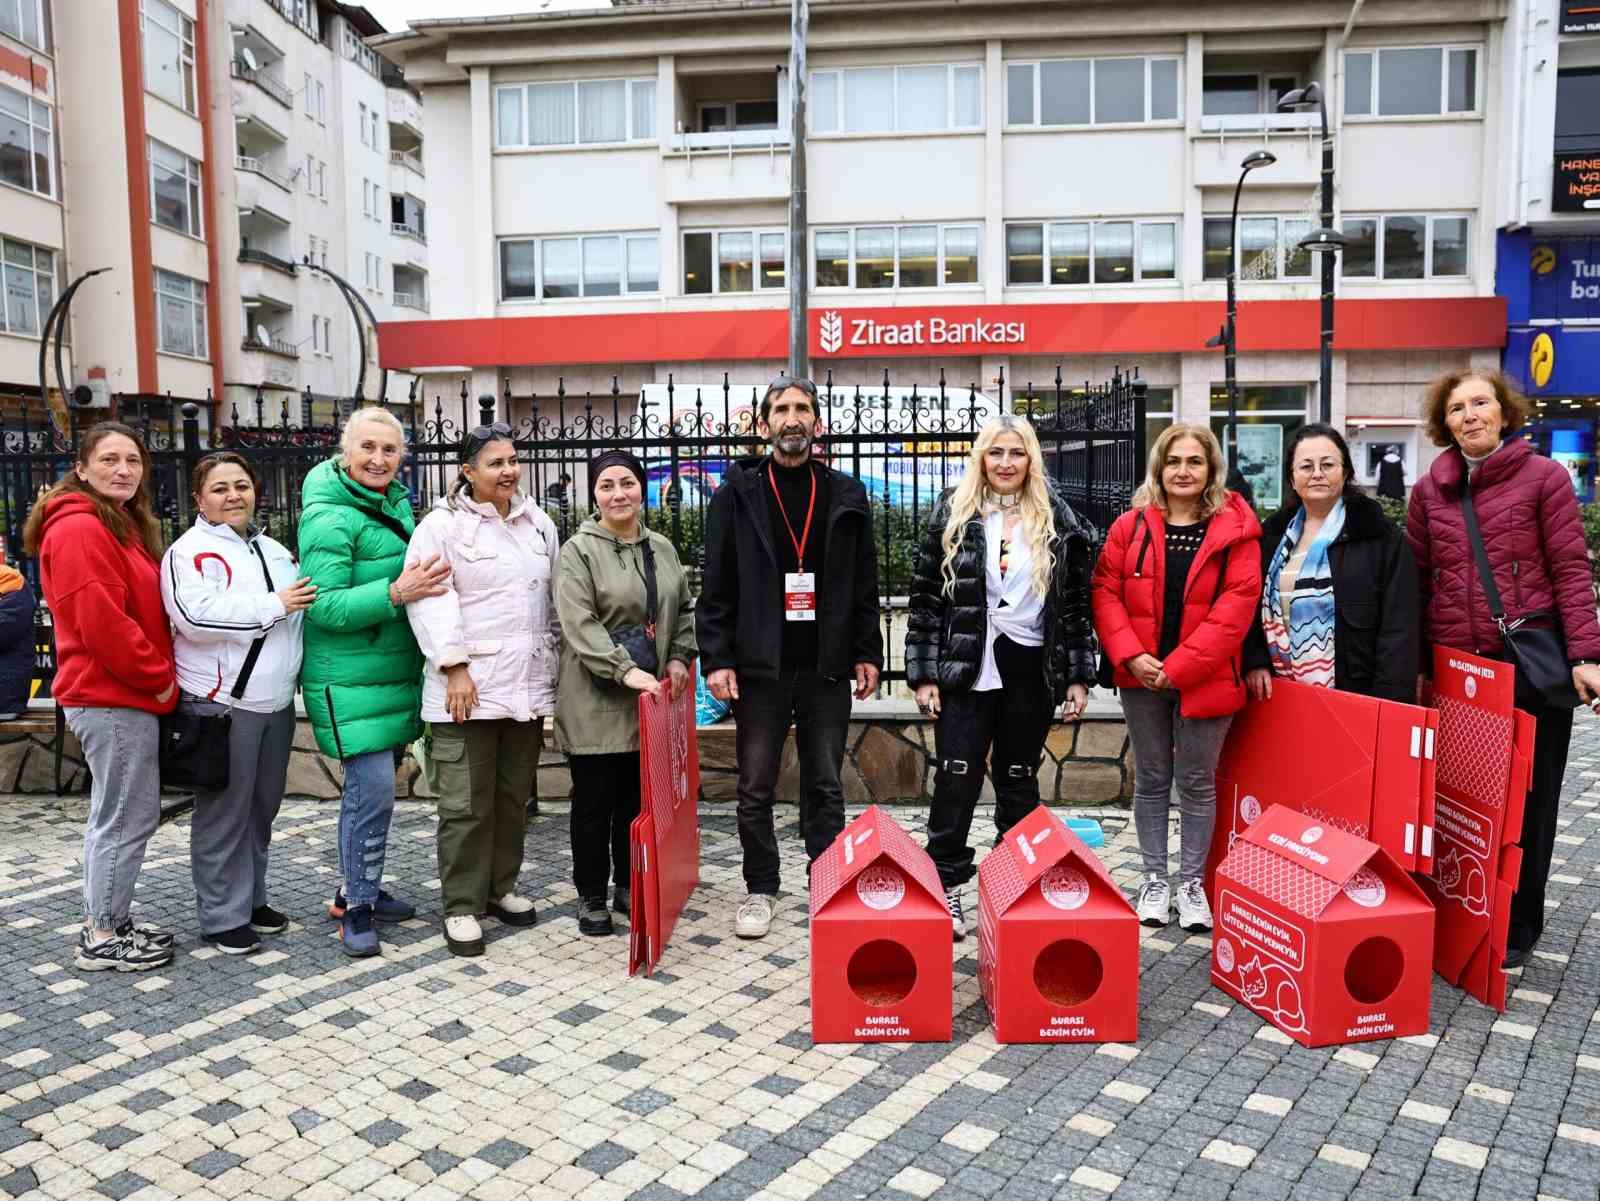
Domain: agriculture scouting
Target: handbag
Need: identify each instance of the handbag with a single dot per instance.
(1534, 642)
(194, 746)
(640, 640)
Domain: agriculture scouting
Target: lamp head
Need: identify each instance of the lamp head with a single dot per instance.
(1306, 97)
(1324, 241)
(1258, 158)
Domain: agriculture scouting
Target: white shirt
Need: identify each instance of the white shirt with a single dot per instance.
(1021, 618)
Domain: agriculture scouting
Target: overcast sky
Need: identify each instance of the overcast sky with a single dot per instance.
(397, 14)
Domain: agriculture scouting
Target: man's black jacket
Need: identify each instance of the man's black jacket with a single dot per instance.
(739, 616)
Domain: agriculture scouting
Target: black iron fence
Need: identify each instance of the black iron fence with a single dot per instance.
(906, 444)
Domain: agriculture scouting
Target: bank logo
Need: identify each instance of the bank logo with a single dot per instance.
(831, 335)
(1312, 834)
(880, 887)
(1543, 260)
(1471, 687)
(1541, 360)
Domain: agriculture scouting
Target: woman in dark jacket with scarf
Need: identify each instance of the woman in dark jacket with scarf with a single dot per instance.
(1533, 538)
(998, 637)
(1339, 589)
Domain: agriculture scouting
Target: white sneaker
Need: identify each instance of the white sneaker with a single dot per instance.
(1194, 912)
(1155, 899)
(754, 918)
(958, 919)
(513, 910)
(463, 935)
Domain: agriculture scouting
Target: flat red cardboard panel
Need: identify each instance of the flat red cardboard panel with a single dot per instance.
(1426, 788)
(669, 767)
(1322, 850)
(871, 834)
(647, 931)
(638, 853)
(1403, 758)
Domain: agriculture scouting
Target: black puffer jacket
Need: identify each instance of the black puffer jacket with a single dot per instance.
(946, 633)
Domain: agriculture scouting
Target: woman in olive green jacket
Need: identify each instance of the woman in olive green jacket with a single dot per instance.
(600, 590)
(362, 673)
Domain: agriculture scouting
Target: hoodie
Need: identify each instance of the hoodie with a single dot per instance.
(113, 644)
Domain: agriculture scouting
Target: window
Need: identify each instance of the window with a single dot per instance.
(1243, 95)
(316, 335)
(911, 99)
(1411, 81)
(169, 54)
(366, 198)
(888, 256)
(376, 140)
(327, 336)
(310, 93)
(1577, 109)
(25, 143)
(569, 267)
(175, 190)
(1092, 91)
(21, 19)
(322, 179)
(1268, 417)
(722, 115)
(737, 265)
(1267, 248)
(181, 302)
(1078, 252)
(361, 120)
(1405, 246)
(30, 288)
(586, 112)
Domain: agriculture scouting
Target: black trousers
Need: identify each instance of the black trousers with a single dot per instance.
(605, 800)
(820, 710)
(1011, 721)
(1551, 739)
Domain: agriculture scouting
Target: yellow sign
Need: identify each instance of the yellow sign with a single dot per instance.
(1541, 360)
(1544, 260)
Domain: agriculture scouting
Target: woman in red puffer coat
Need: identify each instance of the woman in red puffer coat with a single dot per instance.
(1174, 593)
(1533, 538)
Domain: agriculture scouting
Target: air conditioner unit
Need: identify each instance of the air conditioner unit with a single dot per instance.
(94, 393)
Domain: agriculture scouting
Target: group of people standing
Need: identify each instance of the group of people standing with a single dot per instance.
(470, 628)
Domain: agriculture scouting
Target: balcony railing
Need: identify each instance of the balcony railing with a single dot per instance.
(729, 140)
(272, 87)
(1226, 123)
(247, 162)
(411, 300)
(275, 346)
(248, 255)
(402, 230)
(404, 158)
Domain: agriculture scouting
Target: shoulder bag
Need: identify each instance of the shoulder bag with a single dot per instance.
(640, 640)
(1534, 642)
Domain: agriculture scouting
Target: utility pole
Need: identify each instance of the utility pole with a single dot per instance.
(799, 259)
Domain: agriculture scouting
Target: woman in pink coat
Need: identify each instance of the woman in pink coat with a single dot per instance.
(491, 642)
(1533, 536)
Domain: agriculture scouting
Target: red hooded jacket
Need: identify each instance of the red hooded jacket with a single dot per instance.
(1533, 534)
(113, 642)
(1220, 599)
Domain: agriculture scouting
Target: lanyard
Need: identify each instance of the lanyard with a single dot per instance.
(805, 534)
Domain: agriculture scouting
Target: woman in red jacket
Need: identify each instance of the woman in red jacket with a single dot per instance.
(1173, 593)
(1533, 538)
(98, 546)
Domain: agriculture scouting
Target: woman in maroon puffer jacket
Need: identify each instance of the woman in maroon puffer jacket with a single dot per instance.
(1533, 535)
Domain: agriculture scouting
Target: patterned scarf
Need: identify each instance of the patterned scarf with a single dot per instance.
(1299, 628)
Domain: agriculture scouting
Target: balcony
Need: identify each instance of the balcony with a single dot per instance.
(408, 159)
(733, 165)
(411, 300)
(258, 117)
(264, 281)
(265, 81)
(405, 109)
(260, 189)
(247, 255)
(1296, 139)
(271, 345)
(402, 230)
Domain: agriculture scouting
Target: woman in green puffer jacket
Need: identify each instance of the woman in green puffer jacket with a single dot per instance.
(362, 673)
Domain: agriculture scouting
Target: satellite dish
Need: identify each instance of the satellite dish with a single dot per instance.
(247, 58)
(263, 336)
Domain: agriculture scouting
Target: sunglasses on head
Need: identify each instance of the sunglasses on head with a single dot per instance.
(488, 433)
(781, 383)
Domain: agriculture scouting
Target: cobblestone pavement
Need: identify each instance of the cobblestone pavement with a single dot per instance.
(540, 1070)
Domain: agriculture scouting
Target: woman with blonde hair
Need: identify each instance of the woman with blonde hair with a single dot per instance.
(1174, 593)
(998, 638)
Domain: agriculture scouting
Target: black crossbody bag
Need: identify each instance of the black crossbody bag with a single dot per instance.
(1535, 644)
(640, 640)
(194, 746)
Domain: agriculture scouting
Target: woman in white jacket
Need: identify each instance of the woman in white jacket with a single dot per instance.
(225, 586)
(492, 644)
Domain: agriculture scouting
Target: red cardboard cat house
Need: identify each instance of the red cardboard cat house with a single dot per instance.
(1355, 763)
(1321, 933)
(880, 939)
(1058, 943)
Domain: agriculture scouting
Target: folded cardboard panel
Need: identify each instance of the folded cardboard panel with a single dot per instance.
(665, 838)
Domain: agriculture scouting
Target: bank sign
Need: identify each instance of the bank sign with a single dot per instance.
(843, 333)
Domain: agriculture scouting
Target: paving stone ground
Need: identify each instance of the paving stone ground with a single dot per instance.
(541, 1071)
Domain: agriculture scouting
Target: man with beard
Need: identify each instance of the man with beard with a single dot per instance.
(787, 620)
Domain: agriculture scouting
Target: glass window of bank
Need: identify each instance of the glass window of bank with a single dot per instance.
(1564, 428)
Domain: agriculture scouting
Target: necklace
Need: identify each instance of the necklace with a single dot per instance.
(997, 500)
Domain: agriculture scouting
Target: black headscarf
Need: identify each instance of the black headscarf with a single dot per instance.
(616, 458)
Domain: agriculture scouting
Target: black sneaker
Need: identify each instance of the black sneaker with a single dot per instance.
(958, 918)
(1515, 958)
(241, 940)
(151, 935)
(264, 919)
(621, 901)
(119, 953)
(593, 919)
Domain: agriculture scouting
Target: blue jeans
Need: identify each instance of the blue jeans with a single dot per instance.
(364, 813)
(121, 747)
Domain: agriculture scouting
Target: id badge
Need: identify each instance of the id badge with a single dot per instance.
(799, 596)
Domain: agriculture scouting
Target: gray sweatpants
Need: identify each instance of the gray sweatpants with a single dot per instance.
(232, 829)
(1169, 748)
(121, 748)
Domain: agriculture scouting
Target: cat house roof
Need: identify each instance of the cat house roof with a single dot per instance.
(871, 837)
(1029, 849)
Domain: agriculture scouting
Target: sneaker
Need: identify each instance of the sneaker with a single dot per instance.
(357, 932)
(593, 918)
(1194, 912)
(388, 908)
(463, 935)
(152, 935)
(1155, 899)
(754, 917)
(264, 919)
(958, 920)
(1516, 957)
(513, 910)
(119, 953)
(241, 940)
(622, 901)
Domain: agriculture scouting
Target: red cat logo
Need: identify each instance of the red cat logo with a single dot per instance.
(1273, 992)
(1460, 877)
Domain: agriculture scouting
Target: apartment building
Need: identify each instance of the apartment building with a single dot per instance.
(993, 187)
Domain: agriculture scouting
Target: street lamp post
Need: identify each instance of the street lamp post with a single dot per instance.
(1323, 242)
(1228, 337)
